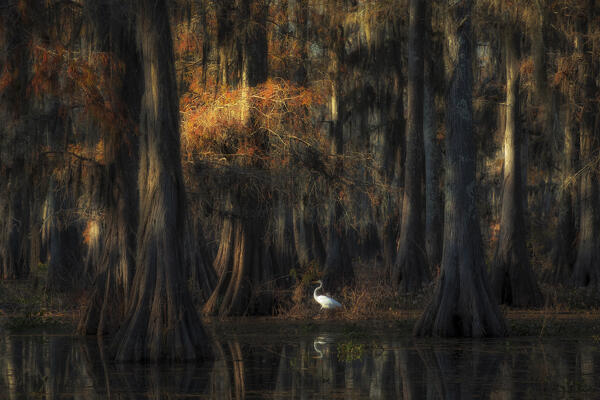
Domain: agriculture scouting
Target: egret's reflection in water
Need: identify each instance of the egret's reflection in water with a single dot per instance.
(305, 366)
(320, 344)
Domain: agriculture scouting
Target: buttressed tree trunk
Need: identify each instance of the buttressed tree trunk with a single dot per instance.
(161, 322)
(338, 269)
(434, 215)
(15, 164)
(244, 260)
(61, 230)
(558, 117)
(14, 246)
(284, 249)
(586, 271)
(513, 281)
(393, 159)
(200, 272)
(432, 91)
(107, 302)
(462, 305)
(410, 269)
(308, 242)
(563, 253)
(65, 240)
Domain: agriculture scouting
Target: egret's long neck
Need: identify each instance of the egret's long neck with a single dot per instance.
(316, 343)
(315, 292)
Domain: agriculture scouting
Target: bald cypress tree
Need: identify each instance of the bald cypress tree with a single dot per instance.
(586, 271)
(244, 260)
(338, 269)
(410, 269)
(462, 305)
(118, 195)
(513, 280)
(161, 322)
(15, 142)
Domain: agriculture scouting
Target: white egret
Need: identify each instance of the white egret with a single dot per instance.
(320, 340)
(325, 301)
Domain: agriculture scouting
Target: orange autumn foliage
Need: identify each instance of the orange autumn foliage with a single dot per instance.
(90, 84)
(218, 124)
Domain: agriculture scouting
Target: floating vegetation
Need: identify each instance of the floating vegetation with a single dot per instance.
(350, 351)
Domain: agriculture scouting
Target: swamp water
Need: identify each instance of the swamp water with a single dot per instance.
(307, 361)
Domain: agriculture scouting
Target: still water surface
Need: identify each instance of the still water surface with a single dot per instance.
(308, 362)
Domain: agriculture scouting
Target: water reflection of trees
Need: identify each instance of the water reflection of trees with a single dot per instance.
(61, 367)
(40, 366)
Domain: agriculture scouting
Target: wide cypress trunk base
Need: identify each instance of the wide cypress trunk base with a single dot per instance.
(338, 271)
(104, 312)
(64, 270)
(563, 254)
(14, 242)
(161, 323)
(161, 330)
(410, 269)
(462, 305)
(515, 284)
(201, 273)
(389, 238)
(245, 264)
(586, 272)
(107, 303)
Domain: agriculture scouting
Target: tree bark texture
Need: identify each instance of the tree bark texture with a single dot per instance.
(161, 322)
(586, 271)
(563, 253)
(15, 148)
(411, 271)
(64, 266)
(284, 249)
(462, 305)
(394, 154)
(200, 272)
(244, 260)
(513, 280)
(434, 213)
(307, 237)
(14, 242)
(244, 264)
(112, 284)
(338, 270)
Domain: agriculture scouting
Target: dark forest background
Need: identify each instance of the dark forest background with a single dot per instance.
(159, 157)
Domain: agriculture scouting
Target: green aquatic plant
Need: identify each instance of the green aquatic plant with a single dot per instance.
(350, 351)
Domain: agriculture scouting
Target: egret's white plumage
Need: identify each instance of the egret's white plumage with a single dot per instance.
(320, 340)
(325, 301)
